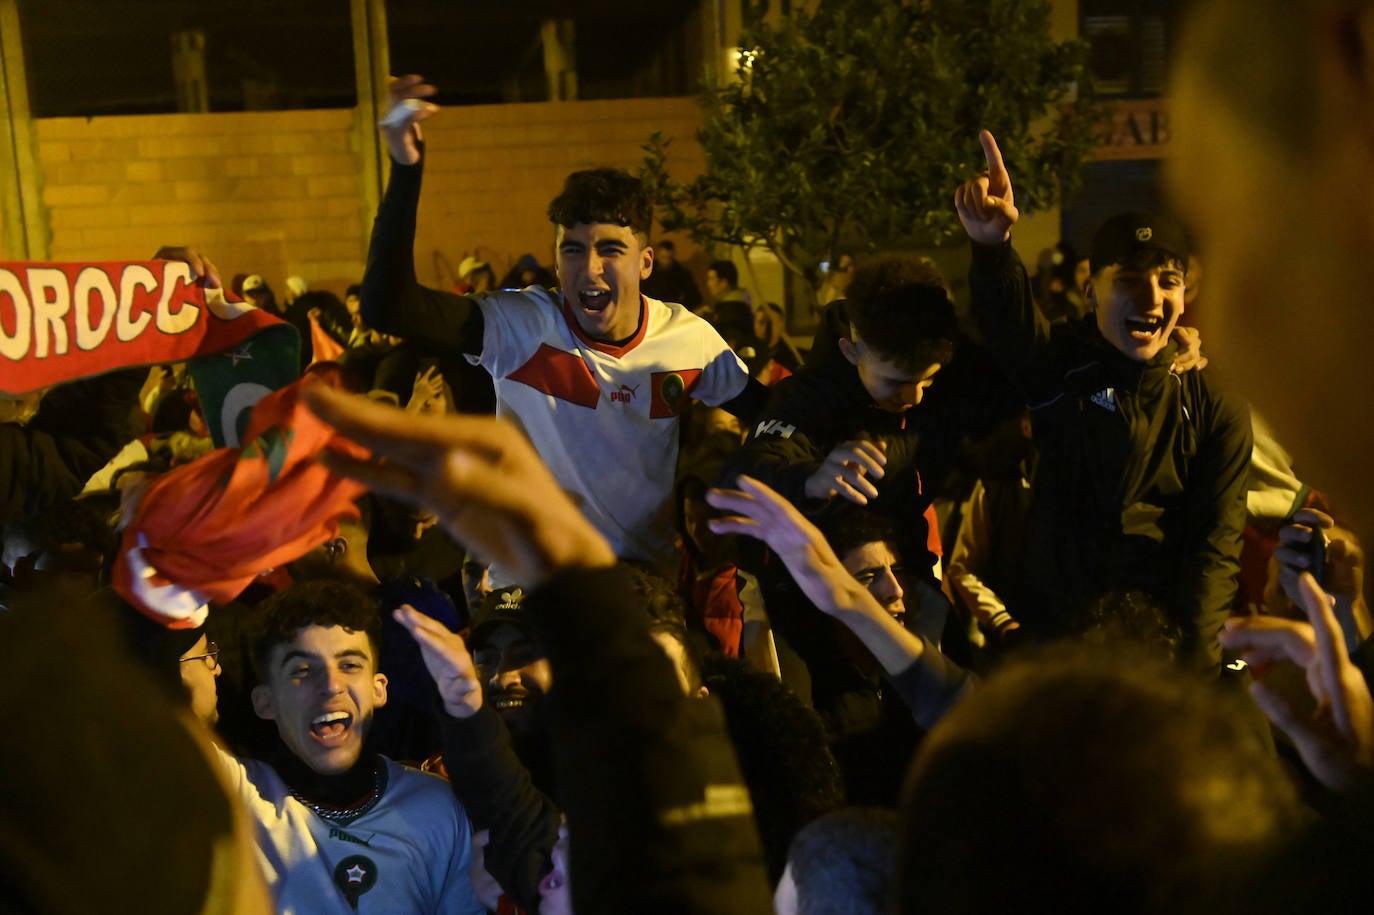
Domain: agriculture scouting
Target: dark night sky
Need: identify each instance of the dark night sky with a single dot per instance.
(92, 57)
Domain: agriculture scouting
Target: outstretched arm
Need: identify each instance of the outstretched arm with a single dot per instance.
(393, 301)
(759, 512)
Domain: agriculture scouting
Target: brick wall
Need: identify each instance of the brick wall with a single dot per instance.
(279, 193)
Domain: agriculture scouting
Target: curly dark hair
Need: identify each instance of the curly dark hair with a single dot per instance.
(322, 602)
(603, 195)
(900, 308)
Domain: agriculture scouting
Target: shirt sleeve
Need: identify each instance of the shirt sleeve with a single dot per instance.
(393, 301)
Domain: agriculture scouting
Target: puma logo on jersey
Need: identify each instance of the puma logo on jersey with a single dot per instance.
(625, 394)
(1106, 399)
(775, 427)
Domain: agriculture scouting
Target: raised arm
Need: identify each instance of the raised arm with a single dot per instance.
(393, 301)
(928, 682)
(487, 777)
(1000, 291)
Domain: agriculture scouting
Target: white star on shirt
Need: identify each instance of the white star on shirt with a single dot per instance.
(356, 873)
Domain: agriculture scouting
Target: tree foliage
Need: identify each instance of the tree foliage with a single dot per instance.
(853, 124)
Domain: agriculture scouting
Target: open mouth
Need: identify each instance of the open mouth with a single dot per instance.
(509, 702)
(331, 726)
(1144, 327)
(594, 300)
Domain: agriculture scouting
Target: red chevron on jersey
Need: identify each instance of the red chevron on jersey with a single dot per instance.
(670, 390)
(561, 374)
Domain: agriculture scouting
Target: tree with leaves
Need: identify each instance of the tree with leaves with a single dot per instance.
(852, 123)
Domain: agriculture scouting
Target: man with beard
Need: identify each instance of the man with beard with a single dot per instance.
(515, 678)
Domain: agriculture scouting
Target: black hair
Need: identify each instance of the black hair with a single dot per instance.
(851, 529)
(846, 861)
(603, 195)
(783, 754)
(900, 308)
(1113, 783)
(727, 271)
(323, 602)
(1132, 618)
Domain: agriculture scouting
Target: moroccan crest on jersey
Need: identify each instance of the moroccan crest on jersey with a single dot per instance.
(671, 391)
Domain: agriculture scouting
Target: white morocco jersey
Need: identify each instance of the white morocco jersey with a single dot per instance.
(605, 418)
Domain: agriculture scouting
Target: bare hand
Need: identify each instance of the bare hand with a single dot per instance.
(200, 264)
(402, 138)
(447, 660)
(429, 385)
(1190, 357)
(1336, 741)
(986, 204)
(478, 474)
(846, 471)
(757, 511)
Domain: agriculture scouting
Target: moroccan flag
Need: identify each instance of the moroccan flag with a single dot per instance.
(61, 322)
(204, 531)
(230, 383)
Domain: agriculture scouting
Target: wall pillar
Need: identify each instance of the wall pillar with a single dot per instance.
(23, 222)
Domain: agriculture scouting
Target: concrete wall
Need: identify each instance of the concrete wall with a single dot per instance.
(279, 193)
(492, 170)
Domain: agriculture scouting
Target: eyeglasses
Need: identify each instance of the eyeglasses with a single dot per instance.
(211, 657)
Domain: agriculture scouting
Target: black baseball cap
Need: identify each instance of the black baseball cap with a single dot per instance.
(501, 606)
(1126, 234)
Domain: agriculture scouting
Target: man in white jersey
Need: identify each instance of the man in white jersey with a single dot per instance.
(595, 373)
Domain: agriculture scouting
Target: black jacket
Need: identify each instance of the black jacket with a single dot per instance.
(1141, 477)
(824, 405)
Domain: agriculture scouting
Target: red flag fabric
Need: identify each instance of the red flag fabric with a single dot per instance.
(61, 322)
(324, 348)
(204, 531)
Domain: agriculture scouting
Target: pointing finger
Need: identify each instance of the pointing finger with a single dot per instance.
(997, 169)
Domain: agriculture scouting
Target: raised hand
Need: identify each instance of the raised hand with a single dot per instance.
(757, 511)
(429, 385)
(447, 659)
(1336, 740)
(406, 108)
(200, 265)
(986, 204)
(848, 471)
(479, 475)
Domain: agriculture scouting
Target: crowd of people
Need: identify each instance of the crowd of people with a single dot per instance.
(586, 592)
